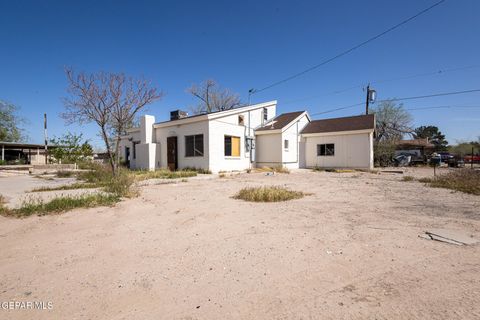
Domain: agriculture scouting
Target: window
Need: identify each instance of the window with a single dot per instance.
(194, 146)
(232, 146)
(241, 121)
(326, 149)
(265, 114)
(285, 144)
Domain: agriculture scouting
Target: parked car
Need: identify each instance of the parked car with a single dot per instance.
(474, 158)
(446, 156)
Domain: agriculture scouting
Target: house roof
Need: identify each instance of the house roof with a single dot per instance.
(21, 145)
(280, 121)
(215, 114)
(363, 122)
(415, 143)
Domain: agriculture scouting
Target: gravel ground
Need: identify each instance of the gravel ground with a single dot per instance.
(187, 250)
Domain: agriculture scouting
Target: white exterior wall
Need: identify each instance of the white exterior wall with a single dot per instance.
(180, 131)
(269, 150)
(229, 126)
(128, 141)
(352, 150)
(270, 146)
(291, 156)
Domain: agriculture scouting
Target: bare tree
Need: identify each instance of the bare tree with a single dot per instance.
(392, 121)
(213, 98)
(109, 100)
(131, 96)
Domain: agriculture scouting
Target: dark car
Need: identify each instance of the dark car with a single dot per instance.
(446, 156)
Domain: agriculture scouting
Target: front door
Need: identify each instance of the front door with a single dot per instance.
(172, 153)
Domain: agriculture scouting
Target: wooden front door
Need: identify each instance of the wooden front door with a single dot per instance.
(172, 153)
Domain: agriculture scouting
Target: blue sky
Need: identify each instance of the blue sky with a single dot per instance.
(243, 45)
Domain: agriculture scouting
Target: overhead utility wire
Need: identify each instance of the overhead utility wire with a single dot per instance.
(349, 50)
(443, 107)
(440, 71)
(401, 99)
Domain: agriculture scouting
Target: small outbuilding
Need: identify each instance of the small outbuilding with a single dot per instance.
(339, 142)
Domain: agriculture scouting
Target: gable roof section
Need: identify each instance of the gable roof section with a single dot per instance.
(280, 121)
(214, 115)
(363, 122)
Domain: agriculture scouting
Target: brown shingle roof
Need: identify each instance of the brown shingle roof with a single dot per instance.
(415, 143)
(280, 121)
(341, 124)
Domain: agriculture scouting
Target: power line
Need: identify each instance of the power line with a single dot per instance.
(426, 74)
(443, 107)
(401, 99)
(431, 95)
(351, 49)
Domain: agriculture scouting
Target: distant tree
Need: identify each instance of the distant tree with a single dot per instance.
(434, 136)
(465, 148)
(213, 98)
(392, 121)
(10, 123)
(70, 148)
(110, 100)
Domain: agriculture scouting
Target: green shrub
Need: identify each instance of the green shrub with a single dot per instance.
(65, 174)
(383, 153)
(268, 194)
(121, 185)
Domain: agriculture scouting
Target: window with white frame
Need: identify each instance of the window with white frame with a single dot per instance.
(265, 115)
(327, 149)
(285, 145)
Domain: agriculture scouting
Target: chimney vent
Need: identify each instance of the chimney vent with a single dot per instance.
(178, 114)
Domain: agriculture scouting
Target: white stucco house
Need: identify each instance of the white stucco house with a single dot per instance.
(248, 137)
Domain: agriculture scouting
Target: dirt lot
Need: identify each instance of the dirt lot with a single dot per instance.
(188, 250)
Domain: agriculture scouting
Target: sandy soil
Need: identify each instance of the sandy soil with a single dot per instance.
(188, 250)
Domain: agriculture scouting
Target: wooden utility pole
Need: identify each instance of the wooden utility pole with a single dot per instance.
(471, 165)
(46, 136)
(368, 99)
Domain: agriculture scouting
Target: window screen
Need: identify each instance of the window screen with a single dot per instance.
(194, 146)
(285, 144)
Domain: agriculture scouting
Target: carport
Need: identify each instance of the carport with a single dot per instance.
(17, 151)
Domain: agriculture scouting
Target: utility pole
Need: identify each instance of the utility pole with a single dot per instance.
(371, 96)
(46, 137)
(250, 92)
(471, 165)
(368, 99)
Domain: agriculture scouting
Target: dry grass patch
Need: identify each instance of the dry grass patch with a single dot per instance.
(60, 204)
(408, 178)
(268, 194)
(78, 185)
(162, 174)
(464, 180)
(278, 169)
